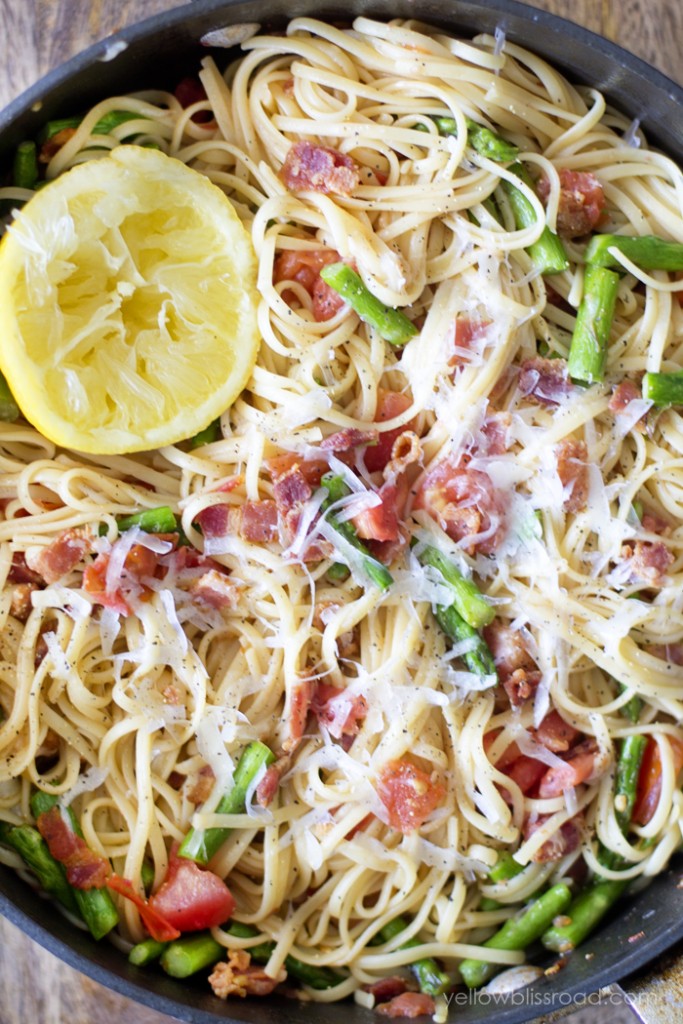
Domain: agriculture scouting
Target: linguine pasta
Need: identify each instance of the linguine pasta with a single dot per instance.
(577, 545)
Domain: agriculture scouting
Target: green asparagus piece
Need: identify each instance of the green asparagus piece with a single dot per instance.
(505, 867)
(190, 954)
(479, 659)
(590, 340)
(646, 251)
(547, 252)
(467, 598)
(431, 979)
(151, 520)
(315, 977)
(634, 707)
(518, 932)
(104, 126)
(338, 572)
(207, 435)
(33, 850)
(96, 905)
(201, 844)
(9, 410)
(585, 913)
(146, 952)
(628, 770)
(664, 389)
(391, 324)
(336, 488)
(147, 876)
(25, 170)
(485, 141)
(486, 903)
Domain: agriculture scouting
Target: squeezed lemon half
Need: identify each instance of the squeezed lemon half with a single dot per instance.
(127, 304)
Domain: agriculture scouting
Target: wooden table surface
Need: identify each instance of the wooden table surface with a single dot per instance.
(38, 35)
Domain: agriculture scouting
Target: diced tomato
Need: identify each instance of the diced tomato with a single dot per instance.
(408, 793)
(389, 405)
(465, 504)
(582, 201)
(650, 778)
(139, 563)
(156, 924)
(527, 772)
(304, 266)
(556, 734)
(581, 764)
(191, 898)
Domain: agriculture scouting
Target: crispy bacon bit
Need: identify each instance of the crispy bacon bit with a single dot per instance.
(465, 504)
(311, 469)
(341, 713)
(238, 977)
(622, 396)
(383, 522)
(467, 331)
(21, 605)
(673, 653)
(54, 144)
(201, 790)
(258, 521)
(387, 988)
(494, 435)
(304, 266)
(582, 201)
(649, 561)
(215, 589)
(572, 469)
(62, 555)
(297, 706)
(85, 869)
(409, 1004)
(545, 381)
(555, 734)
(214, 520)
(347, 439)
(20, 572)
(517, 670)
(140, 563)
(267, 787)
(389, 405)
(320, 169)
(565, 840)
(654, 523)
(583, 763)
(405, 451)
(408, 793)
(190, 91)
(291, 490)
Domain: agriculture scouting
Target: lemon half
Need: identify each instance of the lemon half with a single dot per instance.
(127, 304)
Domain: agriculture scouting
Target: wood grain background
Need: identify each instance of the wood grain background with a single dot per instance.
(37, 35)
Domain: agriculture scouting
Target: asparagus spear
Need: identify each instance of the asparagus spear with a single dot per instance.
(628, 770)
(588, 349)
(467, 598)
(337, 572)
(646, 251)
(479, 659)
(505, 867)
(547, 252)
(518, 932)
(584, 914)
(96, 905)
(104, 126)
(664, 388)
(9, 410)
(315, 977)
(391, 324)
(146, 952)
(201, 844)
(33, 850)
(151, 520)
(633, 708)
(207, 435)
(485, 141)
(190, 954)
(336, 489)
(431, 979)
(25, 169)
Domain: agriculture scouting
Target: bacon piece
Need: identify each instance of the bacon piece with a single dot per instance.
(565, 840)
(201, 790)
(54, 144)
(238, 977)
(291, 490)
(62, 555)
(673, 653)
(555, 734)
(267, 787)
(517, 670)
(409, 1004)
(572, 469)
(545, 381)
(215, 589)
(649, 561)
(495, 435)
(85, 869)
(21, 604)
(582, 201)
(622, 396)
(467, 331)
(387, 988)
(156, 924)
(139, 563)
(311, 469)
(383, 522)
(214, 521)
(304, 266)
(347, 439)
(654, 523)
(465, 504)
(20, 571)
(189, 91)
(389, 405)
(258, 521)
(320, 169)
(341, 713)
(299, 701)
(582, 763)
(408, 793)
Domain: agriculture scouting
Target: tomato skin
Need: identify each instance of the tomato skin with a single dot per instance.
(389, 405)
(191, 898)
(408, 793)
(650, 779)
(156, 924)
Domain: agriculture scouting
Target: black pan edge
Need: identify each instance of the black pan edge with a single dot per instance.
(651, 922)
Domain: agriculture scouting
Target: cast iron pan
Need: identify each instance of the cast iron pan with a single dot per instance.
(160, 51)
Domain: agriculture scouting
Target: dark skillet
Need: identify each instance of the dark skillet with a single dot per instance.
(160, 51)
